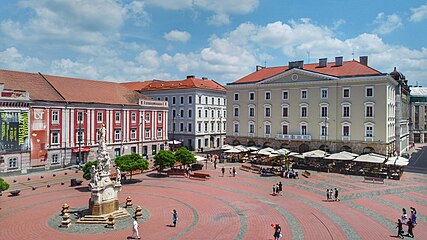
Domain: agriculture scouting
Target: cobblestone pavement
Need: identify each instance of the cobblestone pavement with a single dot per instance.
(240, 207)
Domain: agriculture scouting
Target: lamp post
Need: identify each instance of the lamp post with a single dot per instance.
(79, 135)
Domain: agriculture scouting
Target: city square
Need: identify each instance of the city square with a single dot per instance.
(240, 207)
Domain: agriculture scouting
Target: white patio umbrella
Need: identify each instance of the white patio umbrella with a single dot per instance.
(370, 158)
(174, 142)
(283, 151)
(232, 150)
(397, 161)
(241, 148)
(253, 148)
(268, 149)
(315, 154)
(199, 158)
(263, 152)
(226, 147)
(343, 156)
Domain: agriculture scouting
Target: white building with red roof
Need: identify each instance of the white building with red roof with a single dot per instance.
(197, 107)
(333, 106)
(64, 115)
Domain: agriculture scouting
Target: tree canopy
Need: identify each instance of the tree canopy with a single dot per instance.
(87, 167)
(184, 156)
(164, 159)
(3, 185)
(131, 162)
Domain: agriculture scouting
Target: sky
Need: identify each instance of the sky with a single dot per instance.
(223, 40)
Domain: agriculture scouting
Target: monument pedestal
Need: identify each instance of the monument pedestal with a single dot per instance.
(103, 208)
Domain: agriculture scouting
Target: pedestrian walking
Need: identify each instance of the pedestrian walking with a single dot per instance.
(399, 228)
(410, 228)
(223, 171)
(174, 217)
(215, 163)
(277, 232)
(414, 216)
(328, 196)
(280, 187)
(230, 171)
(336, 195)
(274, 190)
(234, 171)
(135, 229)
(404, 216)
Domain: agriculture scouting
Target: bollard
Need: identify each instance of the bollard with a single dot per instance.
(54, 175)
(41, 177)
(128, 202)
(28, 179)
(48, 185)
(66, 221)
(111, 221)
(138, 212)
(62, 183)
(65, 209)
(33, 188)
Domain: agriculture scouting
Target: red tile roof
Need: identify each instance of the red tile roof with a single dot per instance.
(349, 68)
(37, 87)
(90, 91)
(136, 85)
(188, 83)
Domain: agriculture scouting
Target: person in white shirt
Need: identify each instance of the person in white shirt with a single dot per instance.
(135, 229)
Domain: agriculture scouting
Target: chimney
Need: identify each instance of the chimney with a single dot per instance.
(363, 60)
(323, 62)
(258, 67)
(190, 76)
(338, 61)
(296, 64)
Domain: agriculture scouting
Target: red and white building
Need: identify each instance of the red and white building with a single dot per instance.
(66, 113)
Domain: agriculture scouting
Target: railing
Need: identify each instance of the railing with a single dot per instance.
(283, 136)
(301, 137)
(251, 134)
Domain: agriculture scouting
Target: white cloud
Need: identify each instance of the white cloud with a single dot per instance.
(419, 13)
(136, 11)
(67, 67)
(219, 19)
(387, 23)
(10, 58)
(177, 36)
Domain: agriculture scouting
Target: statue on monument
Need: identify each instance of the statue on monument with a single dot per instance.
(104, 160)
(119, 175)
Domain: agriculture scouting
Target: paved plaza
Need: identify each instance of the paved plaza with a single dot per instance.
(240, 207)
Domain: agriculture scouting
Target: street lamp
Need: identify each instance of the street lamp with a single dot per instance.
(80, 135)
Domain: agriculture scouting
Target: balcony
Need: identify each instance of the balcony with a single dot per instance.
(301, 137)
(236, 134)
(283, 136)
(251, 134)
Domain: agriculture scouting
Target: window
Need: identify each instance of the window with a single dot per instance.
(173, 100)
(267, 128)
(267, 112)
(80, 117)
(200, 113)
(346, 111)
(213, 100)
(147, 117)
(173, 113)
(219, 127)
(181, 113)
(346, 92)
(236, 97)
(166, 99)
(190, 99)
(117, 117)
(303, 94)
(212, 126)
(80, 136)
(55, 159)
(206, 126)
(181, 100)
(369, 112)
(251, 128)
(190, 127)
(200, 99)
(303, 129)
(251, 112)
(199, 127)
(133, 134)
(303, 112)
(268, 95)
(159, 133)
(98, 134)
(13, 162)
(236, 111)
(133, 149)
(369, 91)
(324, 93)
(190, 113)
(285, 95)
(100, 117)
(206, 142)
(55, 138)
(117, 135)
(323, 130)
(236, 128)
(284, 129)
(117, 152)
(206, 100)
(206, 113)
(147, 133)
(212, 114)
(55, 117)
(133, 117)
(369, 131)
(285, 111)
(181, 127)
(251, 96)
(159, 117)
(346, 131)
(324, 111)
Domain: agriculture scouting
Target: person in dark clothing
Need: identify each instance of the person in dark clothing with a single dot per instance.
(234, 171)
(410, 228)
(336, 195)
(277, 232)
(223, 170)
(399, 228)
(174, 217)
(274, 190)
(279, 187)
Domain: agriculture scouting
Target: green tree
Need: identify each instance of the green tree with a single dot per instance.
(164, 159)
(131, 162)
(184, 156)
(3, 185)
(87, 167)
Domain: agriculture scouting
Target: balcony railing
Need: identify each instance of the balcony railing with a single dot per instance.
(301, 137)
(292, 137)
(283, 136)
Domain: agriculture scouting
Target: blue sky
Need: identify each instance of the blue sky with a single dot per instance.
(220, 39)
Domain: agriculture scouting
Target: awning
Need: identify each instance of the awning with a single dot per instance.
(343, 156)
(370, 158)
(397, 161)
(315, 154)
(83, 149)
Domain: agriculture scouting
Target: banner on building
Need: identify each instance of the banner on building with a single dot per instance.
(14, 131)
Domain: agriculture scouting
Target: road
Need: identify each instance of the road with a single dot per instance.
(418, 161)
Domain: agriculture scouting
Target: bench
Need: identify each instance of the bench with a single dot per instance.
(373, 180)
(199, 175)
(246, 168)
(306, 174)
(15, 192)
(175, 173)
(255, 168)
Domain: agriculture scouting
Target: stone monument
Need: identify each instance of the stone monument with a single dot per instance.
(104, 192)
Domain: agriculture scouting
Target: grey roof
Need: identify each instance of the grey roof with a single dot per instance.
(419, 91)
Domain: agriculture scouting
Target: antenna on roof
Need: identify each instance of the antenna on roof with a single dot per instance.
(352, 53)
(265, 63)
(308, 56)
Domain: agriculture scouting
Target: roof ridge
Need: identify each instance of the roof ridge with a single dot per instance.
(50, 84)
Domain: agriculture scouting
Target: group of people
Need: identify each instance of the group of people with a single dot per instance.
(290, 174)
(231, 170)
(332, 195)
(135, 232)
(410, 221)
(277, 189)
(277, 231)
